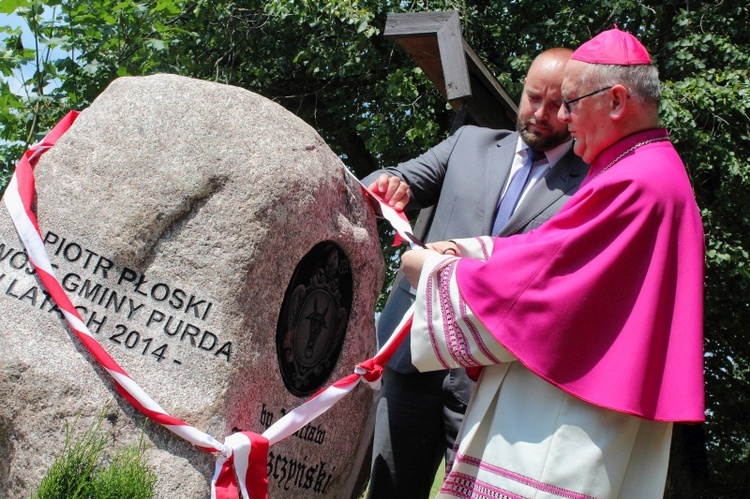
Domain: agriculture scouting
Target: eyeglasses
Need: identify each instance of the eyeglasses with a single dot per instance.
(567, 103)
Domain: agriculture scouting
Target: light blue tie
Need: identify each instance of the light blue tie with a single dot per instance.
(515, 189)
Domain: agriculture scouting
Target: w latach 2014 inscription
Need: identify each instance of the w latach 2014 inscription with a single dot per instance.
(146, 316)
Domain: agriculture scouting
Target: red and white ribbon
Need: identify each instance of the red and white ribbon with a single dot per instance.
(18, 198)
(395, 217)
(241, 465)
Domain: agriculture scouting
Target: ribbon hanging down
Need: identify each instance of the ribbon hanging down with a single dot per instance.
(241, 458)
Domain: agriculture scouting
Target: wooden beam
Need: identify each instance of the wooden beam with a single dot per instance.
(434, 41)
(436, 45)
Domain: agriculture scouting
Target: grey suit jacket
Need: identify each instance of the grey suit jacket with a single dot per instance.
(463, 176)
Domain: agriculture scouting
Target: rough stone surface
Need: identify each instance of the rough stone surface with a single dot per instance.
(189, 205)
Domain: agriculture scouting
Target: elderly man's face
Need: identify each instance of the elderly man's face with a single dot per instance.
(587, 119)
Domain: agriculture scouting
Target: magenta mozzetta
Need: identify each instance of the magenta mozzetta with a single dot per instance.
(563, 317)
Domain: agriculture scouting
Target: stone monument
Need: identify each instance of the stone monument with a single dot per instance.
(218, 250)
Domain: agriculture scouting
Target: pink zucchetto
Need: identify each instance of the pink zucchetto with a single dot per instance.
(613, 47)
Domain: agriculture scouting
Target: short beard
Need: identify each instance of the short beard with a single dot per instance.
(540, 143)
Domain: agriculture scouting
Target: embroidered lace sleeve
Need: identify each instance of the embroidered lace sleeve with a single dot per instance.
(445, 333)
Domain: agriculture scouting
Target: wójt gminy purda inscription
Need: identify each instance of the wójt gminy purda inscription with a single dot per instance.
(122, 308)
(313, 318)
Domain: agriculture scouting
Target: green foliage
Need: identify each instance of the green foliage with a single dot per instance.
(72, 472)
(327, 62)
(83, 470)
(126, 476)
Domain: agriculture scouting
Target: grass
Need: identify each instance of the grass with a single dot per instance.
(439, 477)
(84, 469)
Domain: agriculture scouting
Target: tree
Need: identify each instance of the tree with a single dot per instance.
(327, 62)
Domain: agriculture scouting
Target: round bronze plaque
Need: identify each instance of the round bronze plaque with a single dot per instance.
(313, 318)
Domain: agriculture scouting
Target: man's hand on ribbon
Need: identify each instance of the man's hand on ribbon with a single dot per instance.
(392, 190)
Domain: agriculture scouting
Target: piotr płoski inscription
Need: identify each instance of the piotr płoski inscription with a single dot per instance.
(146, 316)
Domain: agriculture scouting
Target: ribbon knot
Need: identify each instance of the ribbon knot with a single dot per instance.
(372, 371)
(244, 470)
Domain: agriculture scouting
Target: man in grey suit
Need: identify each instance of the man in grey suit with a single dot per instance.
(474, 179)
